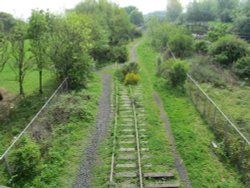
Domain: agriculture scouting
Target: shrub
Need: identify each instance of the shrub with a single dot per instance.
(228, 50)
(131, 79)
(129, 68)
(242, 68)
(217, 30)
(26, 161)
(181, 44)
(201, 46)
(119, 54)
(175, 71)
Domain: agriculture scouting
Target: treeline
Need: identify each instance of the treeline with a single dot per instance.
(94, 32)
(234, 12)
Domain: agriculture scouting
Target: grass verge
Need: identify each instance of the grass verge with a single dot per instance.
(193, 137)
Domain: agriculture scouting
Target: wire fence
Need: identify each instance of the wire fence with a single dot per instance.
(235, 145)
(34, 129)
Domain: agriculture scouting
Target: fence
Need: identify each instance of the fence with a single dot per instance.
(31, 130)
(235, 145)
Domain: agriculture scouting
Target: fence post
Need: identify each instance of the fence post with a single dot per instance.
(7, 166)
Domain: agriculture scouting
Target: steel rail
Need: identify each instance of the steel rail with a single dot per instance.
(137, 140)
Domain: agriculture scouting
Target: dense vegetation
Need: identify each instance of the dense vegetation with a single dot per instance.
(218, 60)
(37, 55)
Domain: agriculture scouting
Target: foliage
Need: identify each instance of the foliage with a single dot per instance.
(20, 52)
(174, 10)
(38, 35)
(204, 168)
(131, 79)
(217, 30)
(136, 17)
(226, 9)
(201, 46)
(242, 67)
(181, 43)
(4, 51)
(71, 44)
(26, 162)
(164, 35)
(132, 67)
(7, 22)
(201, 11)
(175, 71)
(228, 50)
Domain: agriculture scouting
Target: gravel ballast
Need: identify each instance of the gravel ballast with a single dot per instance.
(102, 122)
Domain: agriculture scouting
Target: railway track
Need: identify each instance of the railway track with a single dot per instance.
(130, 166)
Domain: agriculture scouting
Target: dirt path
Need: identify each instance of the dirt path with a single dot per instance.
(103, 117)
(178, 161)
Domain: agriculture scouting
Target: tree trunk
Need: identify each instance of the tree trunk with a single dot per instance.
(41, 81)
(21, 79)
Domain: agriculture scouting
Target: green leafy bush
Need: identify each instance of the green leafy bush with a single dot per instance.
(181, 44)
(242, 68)
(127, 68)
(26, 162)
(217, 30)
(228, 50)
(131, 79)
(175, 71)
(201, 46)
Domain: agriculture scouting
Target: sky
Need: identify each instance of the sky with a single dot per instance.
(22, 8)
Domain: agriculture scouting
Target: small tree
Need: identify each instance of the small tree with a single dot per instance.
(4, 51)
(175, 71)
(20, 52)
(25, 164)
(181, 44)
(37, 32)
(228, 50)
(242, 68)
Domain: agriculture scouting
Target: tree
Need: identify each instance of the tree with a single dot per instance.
(4, 51)
(71, 44)
(26, 162)
(20, 52)
(38, 35)
(136, 17)
(226, 9)
(175, 71)
(7, 22)
(198, 11)
(174, 9)
(228, 49)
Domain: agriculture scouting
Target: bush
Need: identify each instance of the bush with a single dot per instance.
(201, 46)
(175, 71)
(228, 50)
(129, 68)
(131, 79)
(181, 44)
(119, 54)
(242, 68)
(26, 162)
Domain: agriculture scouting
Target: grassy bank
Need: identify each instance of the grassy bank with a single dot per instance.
(62, 136)
(193, 138)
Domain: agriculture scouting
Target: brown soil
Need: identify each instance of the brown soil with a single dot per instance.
(7, 102)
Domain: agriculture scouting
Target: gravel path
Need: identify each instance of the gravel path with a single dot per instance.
(102, 121)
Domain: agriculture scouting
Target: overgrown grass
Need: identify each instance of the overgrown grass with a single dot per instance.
(159, 148)
(71, 120)
(234, 101)
(192, 135)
